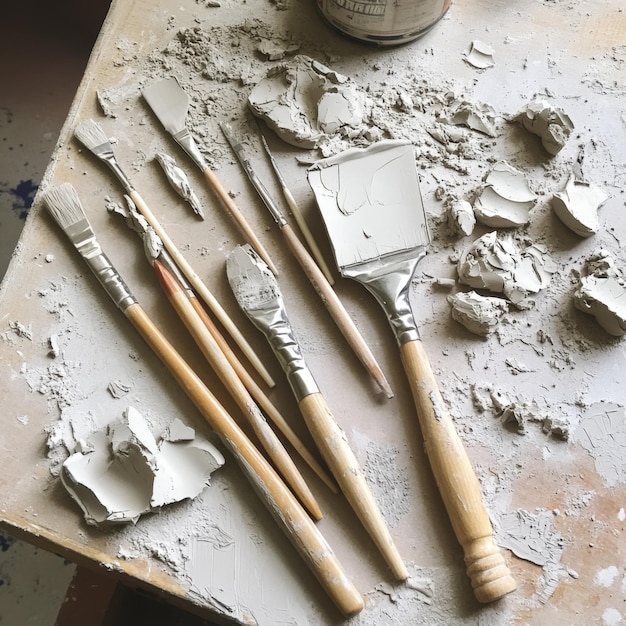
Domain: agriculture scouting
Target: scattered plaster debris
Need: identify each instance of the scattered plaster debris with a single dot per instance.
(602, 432)
(506, 199)
(179, 181)
(303, 100)
(479, 55)
(478, 116)
(602, 293)
(273, 50)
(621, 514)
(577, 206)
(122, 472)
(532, 537)
(118, 389)
(461, 217)
(515, 413)
(22, 419)
(549, 123)
(53, 346)
(500, 265)
(479, 314)
(21, 330)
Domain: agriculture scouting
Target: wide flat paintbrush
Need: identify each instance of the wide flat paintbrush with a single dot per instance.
(155, 250)
(170, 103)
(65, 207)
(95, 140)
(259, 296)
(314, 274)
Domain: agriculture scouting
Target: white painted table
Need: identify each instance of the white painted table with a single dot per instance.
(221, 554)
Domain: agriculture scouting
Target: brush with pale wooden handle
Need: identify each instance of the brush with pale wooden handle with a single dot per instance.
(372, 208)
(316, 277)
(66, 209)
(223, 359)
(95, 140)
(170, 103)
(259, 296)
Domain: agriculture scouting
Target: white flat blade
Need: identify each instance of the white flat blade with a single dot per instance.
(370, 202)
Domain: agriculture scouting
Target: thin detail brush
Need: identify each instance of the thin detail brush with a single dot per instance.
(297, 214)
(66, 209)
(91, 135)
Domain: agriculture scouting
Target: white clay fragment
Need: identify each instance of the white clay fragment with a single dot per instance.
(122, 472)
(479, 314)
(506, 199)
(179, 181)
(304, 101)
(549, 123)
(480, 116)
(480, 55)
(602, 293)
(577, 206)
(500, 265)
(461, 218)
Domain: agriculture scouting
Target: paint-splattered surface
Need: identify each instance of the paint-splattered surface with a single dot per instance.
(518, 397)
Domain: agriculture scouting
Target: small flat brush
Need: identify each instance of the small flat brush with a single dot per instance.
(66, 209)
(95, 140)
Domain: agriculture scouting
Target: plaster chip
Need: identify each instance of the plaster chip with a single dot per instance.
(577, 206)
(479, 314)
(461, 218)
(122, 472)
(549, 123)
(304, 101)
(506, 199)
(500, 265)
(479, 55)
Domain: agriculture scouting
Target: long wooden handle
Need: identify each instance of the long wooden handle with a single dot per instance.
(241, 221)
(202, 290)
(336, 309)
(264, 402)
(308, 235)
(457, 482)
(335, 449)
(280, 502)
(225, 372)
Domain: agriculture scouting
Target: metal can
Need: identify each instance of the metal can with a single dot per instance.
(383, 22)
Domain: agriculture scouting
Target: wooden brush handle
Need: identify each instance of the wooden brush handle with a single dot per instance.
(333, 445)
(241, 221)
(264, 402)
(336, 309)
(458, 485)
(280, 502)
(200, 287)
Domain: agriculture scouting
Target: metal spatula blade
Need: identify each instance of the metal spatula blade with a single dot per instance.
(373, 211)
(371, 202)
(169, 102)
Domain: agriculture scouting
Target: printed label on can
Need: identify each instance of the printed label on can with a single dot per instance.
(383, 21)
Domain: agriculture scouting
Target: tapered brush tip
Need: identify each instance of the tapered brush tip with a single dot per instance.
(64, 205)
(90, 134)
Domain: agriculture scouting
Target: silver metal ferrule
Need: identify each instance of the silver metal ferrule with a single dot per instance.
(389, 281)
(186, 141)
(87, 245)
(275, 325)
(240, 153)
(106, 154)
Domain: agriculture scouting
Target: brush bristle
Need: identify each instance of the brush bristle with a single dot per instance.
(64, 205)
(90, 134)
